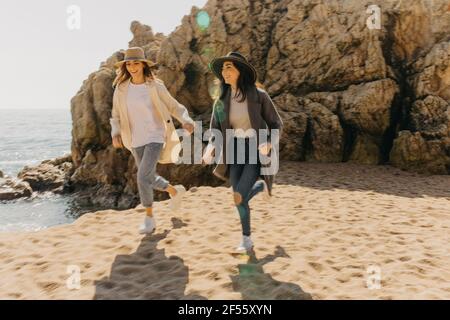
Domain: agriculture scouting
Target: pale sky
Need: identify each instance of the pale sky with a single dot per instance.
(44, 62)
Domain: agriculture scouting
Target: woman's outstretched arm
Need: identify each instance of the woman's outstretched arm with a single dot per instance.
(115, 123)
(176, 109)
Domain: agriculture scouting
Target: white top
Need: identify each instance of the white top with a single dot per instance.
(239, 117)
(145, 122)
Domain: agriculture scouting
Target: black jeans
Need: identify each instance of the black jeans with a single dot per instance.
(243, 179)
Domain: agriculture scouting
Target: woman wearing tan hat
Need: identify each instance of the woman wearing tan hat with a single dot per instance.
(142, 122)
(243, 109)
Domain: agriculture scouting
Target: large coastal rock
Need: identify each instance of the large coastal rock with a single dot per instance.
(11, 188)
(424, 146)
(51, 175)
(102, 175)
(365, 80)
(346, 89)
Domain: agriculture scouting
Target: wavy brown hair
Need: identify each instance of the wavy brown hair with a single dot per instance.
(122, 74)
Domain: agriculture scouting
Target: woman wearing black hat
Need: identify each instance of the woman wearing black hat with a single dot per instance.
(241, 113)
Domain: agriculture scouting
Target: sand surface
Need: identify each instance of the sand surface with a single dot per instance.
(330, 232)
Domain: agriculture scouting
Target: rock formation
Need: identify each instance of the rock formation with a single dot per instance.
(11, 189)
(50, 175)
(103, 175)
(346, 90)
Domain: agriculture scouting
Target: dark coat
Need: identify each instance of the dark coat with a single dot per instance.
(263, 115)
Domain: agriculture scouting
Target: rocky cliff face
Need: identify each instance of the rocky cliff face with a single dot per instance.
(103, 175)
(346, 91)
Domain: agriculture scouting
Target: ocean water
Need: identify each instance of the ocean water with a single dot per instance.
(27, 137)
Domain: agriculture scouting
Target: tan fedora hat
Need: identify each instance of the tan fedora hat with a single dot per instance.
(135, 54)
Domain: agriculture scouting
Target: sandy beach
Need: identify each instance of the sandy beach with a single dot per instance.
(327, 228)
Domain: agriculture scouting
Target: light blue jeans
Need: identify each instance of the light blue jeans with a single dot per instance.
(146, 158)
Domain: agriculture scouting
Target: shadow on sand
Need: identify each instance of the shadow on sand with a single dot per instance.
(254, 284)
(147, 273)
(382, 179)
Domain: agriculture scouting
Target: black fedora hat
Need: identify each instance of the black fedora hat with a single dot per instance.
(216, 64)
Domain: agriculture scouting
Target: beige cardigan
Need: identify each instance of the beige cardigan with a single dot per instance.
(165, 105)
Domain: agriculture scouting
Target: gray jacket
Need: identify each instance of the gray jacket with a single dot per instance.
(263, 115)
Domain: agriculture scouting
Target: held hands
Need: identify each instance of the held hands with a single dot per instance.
(265, 148)
(208, 156)
(117, 142)
(188, 127)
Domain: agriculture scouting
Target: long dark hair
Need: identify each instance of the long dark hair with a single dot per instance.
(244, 84)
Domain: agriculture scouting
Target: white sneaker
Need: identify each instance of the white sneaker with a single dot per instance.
(266, 196)
(175, 201)
(148, 226)
(246, 244)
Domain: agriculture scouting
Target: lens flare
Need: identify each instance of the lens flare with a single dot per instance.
(219, 111)
(203, 20)
(214, 90)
